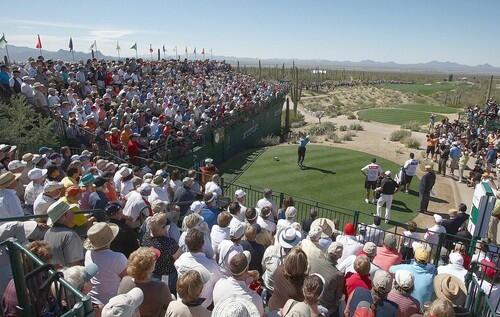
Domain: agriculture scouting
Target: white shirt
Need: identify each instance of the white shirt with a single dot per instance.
(134, 206)
(432, 234)
(347, 266)
(410, 237)
(372, 171)
(207, 244)
(159, 193)
(126, 187)
(105, 283)
(374, 234)
(411, 167)
(205, 266)
(117, 181)
(283, 224)
(351, 246)
(454, 269)
(10, 204)
(234, 222)
(212, 187)
(42, 203)
(31, 193)
(27, 90)
(227, 249)
(263, 202)
(227, 287)
(273, 257)
(217, 235)
(266, 224)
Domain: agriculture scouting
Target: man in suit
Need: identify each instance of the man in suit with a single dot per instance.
(426, 184)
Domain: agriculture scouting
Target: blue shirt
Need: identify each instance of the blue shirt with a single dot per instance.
(423, 287)
(209, 216)
(303, 142)
(4, 78)
(491, 156)
(455, 152)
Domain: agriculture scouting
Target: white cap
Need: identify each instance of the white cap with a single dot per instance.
(209, 161)
(237, 231)
(290, 212)
(404, 279)
(197, 206)
(15, 164)
(388, 173)
(124, 171)
(437, 218)
(37, 173)
(239, 193)
(124, 305)
(456, 258)
(51, 186)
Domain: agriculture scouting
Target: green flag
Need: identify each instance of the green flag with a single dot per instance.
(134, 47)
(3, 41)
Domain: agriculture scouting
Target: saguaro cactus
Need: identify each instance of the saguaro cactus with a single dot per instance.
(296, 89)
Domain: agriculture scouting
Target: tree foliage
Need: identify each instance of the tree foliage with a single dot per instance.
(20, 125)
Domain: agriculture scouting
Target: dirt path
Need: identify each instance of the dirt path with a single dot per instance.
(375, 140)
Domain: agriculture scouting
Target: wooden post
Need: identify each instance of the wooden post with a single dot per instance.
(489, 88)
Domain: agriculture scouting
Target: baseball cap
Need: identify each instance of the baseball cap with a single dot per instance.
(124, 305)
(290, 212)
(382, 281)
(421, 255)
(15, 164)
(404, 279)
(370, 249)
(237, 231)
(438, 218)
(239, 193)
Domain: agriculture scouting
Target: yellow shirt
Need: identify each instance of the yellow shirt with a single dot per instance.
(79, 219)
(68, 182)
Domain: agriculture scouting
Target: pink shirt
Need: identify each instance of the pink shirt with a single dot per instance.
(386, 258)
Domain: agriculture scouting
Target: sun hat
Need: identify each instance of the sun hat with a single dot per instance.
(29, 227)
(370, 249)
(382, 280)
(52, 186)
(197, 206)
(86, 153)
(326, 225)
(315, 233)
(4, 147)
(289, 238)
(186, 180)
(404, 279)
(100, 235)
(290, 212)
(239, 193)
(447, 286)
(237, 231)
(456, 258)
(421, 255)
(37, 173)
(86, 180)
(44, 150)
(390, 241)
(7, 178)
(15, 164)
(235, 306)
(124, 305)
(57, 210)
(125, 171)
(428, 167)
(437, 218)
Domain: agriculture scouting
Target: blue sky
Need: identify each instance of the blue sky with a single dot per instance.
(404, 31)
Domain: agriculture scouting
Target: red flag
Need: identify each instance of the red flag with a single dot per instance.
(150, 48)
(38, 43)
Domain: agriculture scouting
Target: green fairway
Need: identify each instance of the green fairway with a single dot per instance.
(422, 89)
(332, 176)
(426, 108)
(395, 116)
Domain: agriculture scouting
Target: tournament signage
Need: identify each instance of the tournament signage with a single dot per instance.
(483, 203)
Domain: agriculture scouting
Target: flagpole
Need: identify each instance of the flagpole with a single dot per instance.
(118, 50)
(95, 46)
(136, 55)
(176, 57)
(73, 55)
(211, 56)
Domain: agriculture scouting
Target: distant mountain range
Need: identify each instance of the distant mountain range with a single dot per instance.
(18, 53)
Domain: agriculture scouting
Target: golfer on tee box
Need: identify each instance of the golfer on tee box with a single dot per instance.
(303, 141)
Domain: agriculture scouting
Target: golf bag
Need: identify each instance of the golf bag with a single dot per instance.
(400, 177)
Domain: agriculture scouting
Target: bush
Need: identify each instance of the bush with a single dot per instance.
(295, 125)
(348, 136)
(269, 140)
(356, 127)
(351, 116)
(343, 128)
(398, 135)
(411, 142)
(334, 137)
(412, 125)
(322, 128)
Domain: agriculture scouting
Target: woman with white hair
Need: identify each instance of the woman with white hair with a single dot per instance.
(195, 221)
(290, 218)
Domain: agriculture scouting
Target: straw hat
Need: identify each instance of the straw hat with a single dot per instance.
(100, 235)
(6, 179)
(57, 210)
(327, 226)
(447, 286)
(235, 306)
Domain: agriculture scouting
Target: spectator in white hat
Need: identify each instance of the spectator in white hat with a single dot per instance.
(240, 196)
(290, 218)
(137, 207)
(159, 190)
(10, 204)
(124, 305)
(228, 248)
(126, 185)
(195, 221)
(401, 294)
(236, 306)
(52, 191)
(18, 167)
(455, 266)
(35, 187)
(213, 186)
(432, 234)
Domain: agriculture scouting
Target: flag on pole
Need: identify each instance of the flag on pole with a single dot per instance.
(203, 51)
(194, 51)
(70, 44)
(3, 41)
(134, 47)
(93, 46)
(38, 43)
(118, 46)
(151, 48)
(186, 50)
(164, 49)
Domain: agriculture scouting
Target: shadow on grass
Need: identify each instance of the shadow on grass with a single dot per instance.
(322, 170)
(399, 205)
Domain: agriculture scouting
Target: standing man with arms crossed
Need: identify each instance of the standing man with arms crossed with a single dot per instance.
(372, 172)
(303, 141)
(410, 169)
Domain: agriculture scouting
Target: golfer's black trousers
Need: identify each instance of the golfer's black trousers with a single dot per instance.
(424, 201)
(301, 155)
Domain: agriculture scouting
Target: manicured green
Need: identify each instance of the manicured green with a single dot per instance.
(426, 108)
(422, 89)
(333, 177)
(395, 116)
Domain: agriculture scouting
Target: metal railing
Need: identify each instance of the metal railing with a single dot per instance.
(479, 302)
(40, 290)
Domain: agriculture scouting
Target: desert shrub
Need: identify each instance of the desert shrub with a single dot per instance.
(334, 137)
(411, 142)
(295, 125)
(351, 116)
(343, 128)
(322, 128)
(348, 136)
(398, 135)
(269, 140)
(411, 125)
(356, 127)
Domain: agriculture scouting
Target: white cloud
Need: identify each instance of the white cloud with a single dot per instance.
(110, 34)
